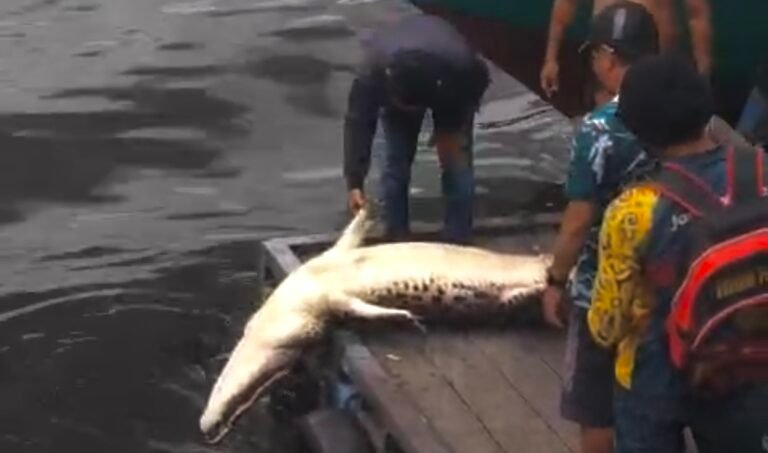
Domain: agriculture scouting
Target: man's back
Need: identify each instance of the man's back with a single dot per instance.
(430, 34)
(655, 245)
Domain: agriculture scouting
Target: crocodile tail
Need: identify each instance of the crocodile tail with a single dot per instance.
(354, 234)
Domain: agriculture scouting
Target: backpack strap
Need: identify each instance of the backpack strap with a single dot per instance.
(686, 189)
(745, 174)
(762, 158)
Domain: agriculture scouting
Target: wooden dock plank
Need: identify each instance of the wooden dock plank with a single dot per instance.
(528, 372)
(406, 422)
(503, 409)
(400, 353)
(549, 345)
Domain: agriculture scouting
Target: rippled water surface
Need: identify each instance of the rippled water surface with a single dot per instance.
(145, 148)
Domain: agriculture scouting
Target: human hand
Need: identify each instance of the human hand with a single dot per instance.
(704, 65)
(552, 305)
(550, 74)
(355, 200)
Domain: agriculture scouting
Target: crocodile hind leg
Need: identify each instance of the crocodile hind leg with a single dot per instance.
(357, 307)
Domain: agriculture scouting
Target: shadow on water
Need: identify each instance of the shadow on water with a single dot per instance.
(127, 367)
(84, 8)
(177, 71)
(96, 251)
(32, 7)
(178, 46)
(317, 33)
(297, 70)
(305, 75)
(89, 53)
(71, 156)
(266, 7)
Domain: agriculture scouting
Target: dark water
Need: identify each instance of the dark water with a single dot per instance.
(120, 366)
(145, 149)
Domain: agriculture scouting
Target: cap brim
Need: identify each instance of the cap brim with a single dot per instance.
(586, 45)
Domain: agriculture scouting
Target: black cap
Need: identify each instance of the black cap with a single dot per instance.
(626, 27)
(665, 101)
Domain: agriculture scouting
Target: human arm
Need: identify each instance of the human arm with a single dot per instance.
(562, 15)
(619, 302)
(575, 226)
(581, 189)
(700, 25)
(360, 125)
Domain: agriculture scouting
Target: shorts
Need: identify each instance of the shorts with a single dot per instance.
(589, 381)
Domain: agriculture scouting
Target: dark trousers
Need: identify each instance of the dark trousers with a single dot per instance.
(401, 132)
(735, 423)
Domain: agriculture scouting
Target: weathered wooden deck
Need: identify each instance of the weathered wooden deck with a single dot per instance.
(478, 390)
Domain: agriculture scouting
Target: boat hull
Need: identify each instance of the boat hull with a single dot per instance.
(513, 34)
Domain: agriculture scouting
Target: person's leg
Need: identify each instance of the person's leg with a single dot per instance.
(647, 426)
(401, 132)
(458, 187)
(596, 440)
(587, 397)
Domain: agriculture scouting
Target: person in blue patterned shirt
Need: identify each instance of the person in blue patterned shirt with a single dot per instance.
(604, 157)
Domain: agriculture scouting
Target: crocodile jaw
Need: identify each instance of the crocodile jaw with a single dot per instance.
(250, 371)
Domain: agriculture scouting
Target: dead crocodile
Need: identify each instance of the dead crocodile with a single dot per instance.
(398, 281)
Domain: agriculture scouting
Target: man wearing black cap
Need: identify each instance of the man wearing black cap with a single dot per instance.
(604, 156)
(664, 12)
(420, 63)
(645, 242)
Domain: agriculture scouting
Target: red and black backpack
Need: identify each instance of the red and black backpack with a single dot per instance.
(718, 324)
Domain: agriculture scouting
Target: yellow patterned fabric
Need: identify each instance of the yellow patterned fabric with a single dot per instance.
(621, 302)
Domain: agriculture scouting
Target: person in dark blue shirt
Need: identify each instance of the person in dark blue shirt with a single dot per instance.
(420, 63)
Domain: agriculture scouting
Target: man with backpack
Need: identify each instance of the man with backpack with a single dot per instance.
(682, 285)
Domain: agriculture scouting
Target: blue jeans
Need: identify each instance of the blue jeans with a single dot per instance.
(734, 423)
(737, 422)
(647, 425)
(401, 132)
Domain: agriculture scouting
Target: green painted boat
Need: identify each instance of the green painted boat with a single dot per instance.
(740, 42)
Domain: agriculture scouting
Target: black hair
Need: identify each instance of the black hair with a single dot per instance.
(627, 59)
(664, 101)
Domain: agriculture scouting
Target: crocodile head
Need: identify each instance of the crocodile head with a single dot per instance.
(249, 373)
